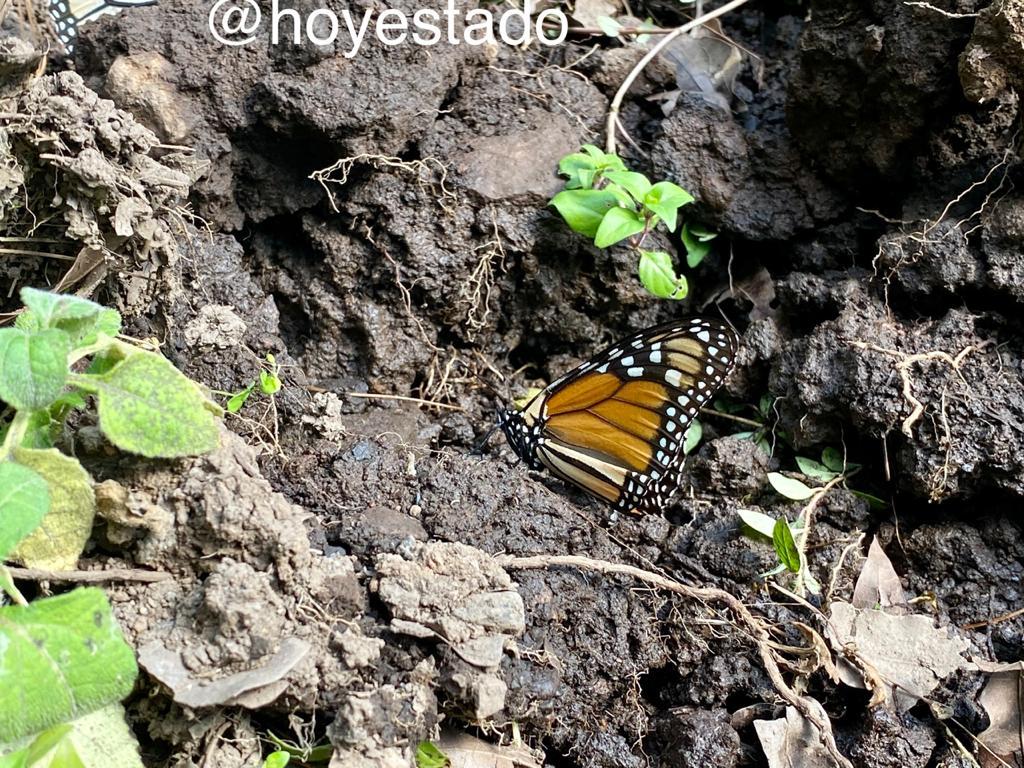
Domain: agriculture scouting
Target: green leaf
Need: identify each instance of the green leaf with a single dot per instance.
(33, 367)
(580, 169)
(659, 277)
(833, 459)
(815, 470)
(758, 522)
(696, 249)
(617, 225)
(584, 209)
(270, 384)
(147, 406)
(61, 535)
(44, 742)
(692, 436)
(80, 318)
(790, 488)
(237, 400)
(68, 658)
(429, 756)
(765, 405)
(24, 500)
(609, 26)
(665, 199)
(278, 759)
(785, 546)
(635, 183)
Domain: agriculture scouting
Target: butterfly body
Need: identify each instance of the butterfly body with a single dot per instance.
(614, 426)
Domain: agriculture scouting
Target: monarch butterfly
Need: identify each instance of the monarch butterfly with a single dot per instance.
(614, 426)
(69, 15)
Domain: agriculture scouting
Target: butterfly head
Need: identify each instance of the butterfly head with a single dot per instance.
(522, 434)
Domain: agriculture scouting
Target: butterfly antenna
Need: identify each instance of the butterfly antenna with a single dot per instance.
(478, 449)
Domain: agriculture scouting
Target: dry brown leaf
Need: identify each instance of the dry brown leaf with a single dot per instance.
(878, 583)
(1002, 700)
(465, 751)
(793, 742)
(908, 652)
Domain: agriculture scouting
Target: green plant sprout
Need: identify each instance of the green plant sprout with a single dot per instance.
(306, 754)
(789, 539)
(765, 434)
(278, 759)
(268, 383)
(66, 652)
(608, 203)
(429, 756)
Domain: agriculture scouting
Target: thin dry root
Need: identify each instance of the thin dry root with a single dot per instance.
(754, 626)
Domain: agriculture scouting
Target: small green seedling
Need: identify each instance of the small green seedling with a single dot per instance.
(781, 533)
(306, 754)
(278, 759)
(65, 654)
(268, 383)
(429, 756)
(608, 203)
(765, 435)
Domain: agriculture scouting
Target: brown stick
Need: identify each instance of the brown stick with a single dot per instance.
(90, 577)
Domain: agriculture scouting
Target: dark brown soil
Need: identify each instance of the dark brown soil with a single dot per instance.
(863, 189)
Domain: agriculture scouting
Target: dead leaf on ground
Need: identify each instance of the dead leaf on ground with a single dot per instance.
(758, 288)
(587, 12)
(252, 688)
(878, 582)
(908, 652)
(465, 751)
(1002, 700)
(706, 63)
(793, 742)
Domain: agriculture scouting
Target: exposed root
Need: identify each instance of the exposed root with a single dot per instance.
(928, 232)
(430, 172)
(903, 364)
(757, 629)
(476, 291)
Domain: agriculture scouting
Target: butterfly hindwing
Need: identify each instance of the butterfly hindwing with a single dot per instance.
(614, 426)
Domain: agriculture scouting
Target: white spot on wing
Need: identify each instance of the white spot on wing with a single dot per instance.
(627, 360)
(704, 336)
(673, 377)
(655, 357)
(635, 371)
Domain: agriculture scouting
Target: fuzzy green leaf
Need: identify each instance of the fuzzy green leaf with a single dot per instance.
(659, 277)
(63, 657)
(270, 384)
(80, 318)
(33, 367)
(61, 535)
(790, 488)
(24, 500)
(147, 406)
(617, 225)
(584, 209)
(785, 546)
